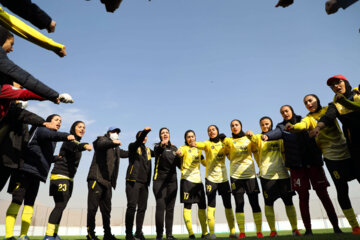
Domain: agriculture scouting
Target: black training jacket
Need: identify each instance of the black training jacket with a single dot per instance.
(69, 159)
(105, 164)
(139, 169)
(166, 162)
(29, 11)
(15, 135)
(10, 72)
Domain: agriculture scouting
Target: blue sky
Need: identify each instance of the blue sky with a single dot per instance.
(186, 65)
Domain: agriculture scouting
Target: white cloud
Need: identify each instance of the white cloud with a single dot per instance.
(68, 114)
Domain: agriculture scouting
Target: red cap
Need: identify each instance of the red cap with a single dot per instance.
(336, 77)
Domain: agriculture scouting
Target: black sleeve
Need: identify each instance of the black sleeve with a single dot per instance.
(21, 115)
(104, 143)
(10, 72)
(124, 154)
(28, 11)
(133, 146)
(330, 115)
(275, 134)
(152, 153)
(51, 135)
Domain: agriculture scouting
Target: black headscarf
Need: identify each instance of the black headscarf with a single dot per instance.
(348, 88)
(4, 35)
(295, 118)
(266, 117)
(72, 130)
(319, 107)
(186, 133)
(215, 139)
(48, 119)
(160, 134)
(241, 133)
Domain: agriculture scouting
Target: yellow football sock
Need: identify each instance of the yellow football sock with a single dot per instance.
(211, 219)
(50, 230)
(202, 220)
(26, 220)
(230, 219)
(187, 220)
(258, 221)
(56, 228)
(270, 217)
(240, 219)
(350, 216)
(11, 215)
(291, 214)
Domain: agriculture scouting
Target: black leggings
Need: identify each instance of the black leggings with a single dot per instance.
(253, 199)
(226, 197)
(60, 205)
(201, 205)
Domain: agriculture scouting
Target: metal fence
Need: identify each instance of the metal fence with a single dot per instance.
(73, 221)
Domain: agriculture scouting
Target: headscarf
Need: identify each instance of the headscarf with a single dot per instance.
(72, 130)
(241, 133)
(266, 117)
(4, 35)
(215, 139)
(185, 135)
(295, 118)
(319, 107)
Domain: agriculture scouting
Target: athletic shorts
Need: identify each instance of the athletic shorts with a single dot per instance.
(191, 192)
(222, 188)
(24, 188)
(241, 186)
(302, 177)
(341, 170)
(276, 188)
(61, 187)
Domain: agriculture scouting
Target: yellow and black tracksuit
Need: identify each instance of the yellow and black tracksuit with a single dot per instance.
(165, 186)
(23, 30)
(216, 180)
(243, 178)
(275, 178)
(191, 187)
(337, 158)
(138, 177)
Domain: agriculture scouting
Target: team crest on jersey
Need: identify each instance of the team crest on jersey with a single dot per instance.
(212, 147)
(234, 142)
(189, 151)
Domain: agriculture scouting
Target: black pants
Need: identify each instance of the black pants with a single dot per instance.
(165, 195)
(5, 174)
(137, 196)
(98, 195)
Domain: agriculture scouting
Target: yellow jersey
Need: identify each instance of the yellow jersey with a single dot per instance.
(331, 140)
(240, 155)
(23, 30)
(270, 158)
(215, 170)
(190, 163)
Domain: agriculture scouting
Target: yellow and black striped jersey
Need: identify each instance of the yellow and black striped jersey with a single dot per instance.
(240, 156)
(270, 158)
(190, 163)
(215, 170)
(331, 140)
(23, 30)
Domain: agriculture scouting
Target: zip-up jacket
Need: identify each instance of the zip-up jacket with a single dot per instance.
(166, 162)
(14, 135)
(68, 162)
(139, 169)
(28, 11)
(40, 151)
(105, 164)
(10, 72)
(300, 150)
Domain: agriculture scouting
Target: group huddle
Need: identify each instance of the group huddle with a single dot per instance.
(289, 156)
